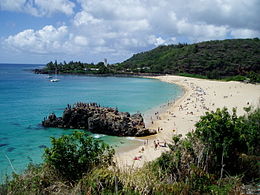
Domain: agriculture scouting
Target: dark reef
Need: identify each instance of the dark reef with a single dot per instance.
(97, 119)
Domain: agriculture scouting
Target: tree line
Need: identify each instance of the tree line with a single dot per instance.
(237, 58)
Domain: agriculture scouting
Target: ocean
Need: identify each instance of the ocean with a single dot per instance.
(26, 98)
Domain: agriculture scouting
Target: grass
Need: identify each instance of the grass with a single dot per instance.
(40, 179)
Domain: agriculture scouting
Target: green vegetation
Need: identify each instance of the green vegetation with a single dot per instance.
(219, 157)
(234, 59)
(211, 59)
(74, 68)
(70, 158)
(76, 154)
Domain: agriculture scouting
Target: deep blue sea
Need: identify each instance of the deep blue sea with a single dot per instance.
(26, 98)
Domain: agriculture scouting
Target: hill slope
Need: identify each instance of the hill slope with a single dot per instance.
(214, 59)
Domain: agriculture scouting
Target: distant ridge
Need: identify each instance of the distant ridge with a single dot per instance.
(212, 59)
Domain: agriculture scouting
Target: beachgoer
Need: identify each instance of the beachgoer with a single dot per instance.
(138, 157)
(158, 142)
(155, 145)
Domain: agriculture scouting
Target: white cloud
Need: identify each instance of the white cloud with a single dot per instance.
(47, 7)
(201, 32)
(81, 41)
(38, 7)
(125, 27)
(46, 40)
(115, 9)
(12, 5)
(83, 18)
(245, 33)
(156, 40)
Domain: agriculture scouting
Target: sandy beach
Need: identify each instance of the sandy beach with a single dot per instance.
(180, 116)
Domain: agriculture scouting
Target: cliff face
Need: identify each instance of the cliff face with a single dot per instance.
(98, 119)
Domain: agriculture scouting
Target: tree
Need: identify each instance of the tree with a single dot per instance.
(220, 132)
(102, 69)
(77, 154)
(50, 66)
(253, 77)
(250, 131)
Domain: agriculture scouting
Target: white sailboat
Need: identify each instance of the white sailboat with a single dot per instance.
(55, 79)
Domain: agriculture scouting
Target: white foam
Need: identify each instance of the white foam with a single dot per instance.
(135, 139)
(98, 136)
(130, 138)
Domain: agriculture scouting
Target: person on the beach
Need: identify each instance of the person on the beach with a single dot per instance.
(164, 145)
(155, 145)
(137, 157)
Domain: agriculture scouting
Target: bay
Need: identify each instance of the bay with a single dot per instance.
(26, 98)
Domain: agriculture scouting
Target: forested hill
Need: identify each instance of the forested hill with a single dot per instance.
(212, 59)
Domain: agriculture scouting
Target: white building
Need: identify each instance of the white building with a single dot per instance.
(105, 62)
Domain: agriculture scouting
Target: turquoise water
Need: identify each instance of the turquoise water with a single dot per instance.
(26, 98)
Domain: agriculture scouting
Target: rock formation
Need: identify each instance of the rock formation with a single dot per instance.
(97, 119)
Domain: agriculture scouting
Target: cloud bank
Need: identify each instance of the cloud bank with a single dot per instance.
(121, 28)
(38, 7)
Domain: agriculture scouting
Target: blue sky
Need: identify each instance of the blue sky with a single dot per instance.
(38, 31)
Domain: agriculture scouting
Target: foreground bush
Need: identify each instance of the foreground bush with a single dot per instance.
(230, 141)
(222, 147)
(75, 155)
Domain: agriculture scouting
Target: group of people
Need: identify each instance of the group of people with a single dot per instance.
(159, 144)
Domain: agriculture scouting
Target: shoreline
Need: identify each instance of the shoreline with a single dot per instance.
(199, 96)
(124, 155)
(159, 109)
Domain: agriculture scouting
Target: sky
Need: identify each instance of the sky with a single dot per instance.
(39, 31)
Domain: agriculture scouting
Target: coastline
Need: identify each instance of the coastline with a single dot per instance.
(180, 116)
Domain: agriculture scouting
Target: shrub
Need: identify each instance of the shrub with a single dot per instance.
(76, 154)
(36, 179)
(226, 137)
(219, 133)
(99, 181)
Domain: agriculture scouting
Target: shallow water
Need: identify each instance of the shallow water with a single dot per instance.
(26, 98)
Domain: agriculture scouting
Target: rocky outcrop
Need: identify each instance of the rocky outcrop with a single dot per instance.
(97, 119)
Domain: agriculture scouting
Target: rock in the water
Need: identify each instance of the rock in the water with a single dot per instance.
(1, 145)
(99, 119)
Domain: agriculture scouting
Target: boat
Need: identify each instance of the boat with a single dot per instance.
(55, 79)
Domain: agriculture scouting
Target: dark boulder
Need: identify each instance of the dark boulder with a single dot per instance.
(99, 119)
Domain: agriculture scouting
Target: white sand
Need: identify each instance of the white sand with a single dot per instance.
(180, 117)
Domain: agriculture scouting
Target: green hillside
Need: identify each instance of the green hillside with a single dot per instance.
(212, 59)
